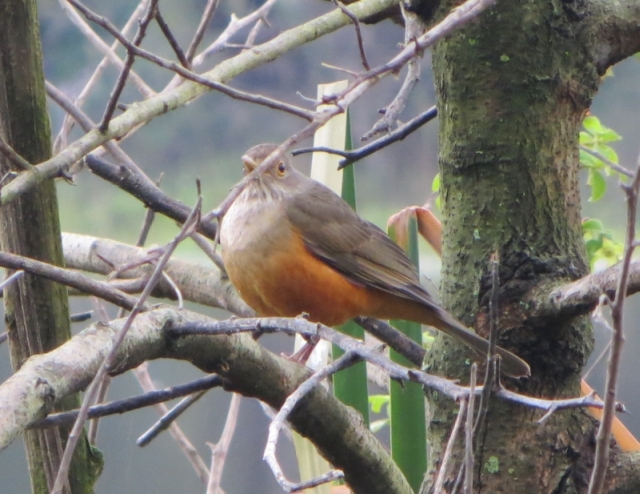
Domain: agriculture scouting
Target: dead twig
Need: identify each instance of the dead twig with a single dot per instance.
(348, 359)
(61, 477)
(601, 460)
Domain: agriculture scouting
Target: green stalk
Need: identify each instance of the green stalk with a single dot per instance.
(350, 385)
(406, 408)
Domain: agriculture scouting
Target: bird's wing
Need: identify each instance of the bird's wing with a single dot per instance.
(358, 249)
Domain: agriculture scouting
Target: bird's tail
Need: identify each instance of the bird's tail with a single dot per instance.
(511, 364)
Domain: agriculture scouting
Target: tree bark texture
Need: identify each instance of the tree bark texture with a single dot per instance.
(36, 310)
(513, 87)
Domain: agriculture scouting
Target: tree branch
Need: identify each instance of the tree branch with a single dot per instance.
(615, 27)
(245, 367)
(187, 92)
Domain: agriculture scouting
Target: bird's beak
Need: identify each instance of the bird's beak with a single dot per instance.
(249, 164)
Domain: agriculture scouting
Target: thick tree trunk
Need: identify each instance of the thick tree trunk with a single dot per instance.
(37, 312)
(513, 88)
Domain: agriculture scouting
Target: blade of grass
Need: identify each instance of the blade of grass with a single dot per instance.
(406, 408)
(350, 385)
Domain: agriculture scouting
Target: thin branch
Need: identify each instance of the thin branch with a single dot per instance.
(207, 15)
(170, 100)
(164, 27)
(109, 360)
(168, 418)
(394, 371)
(67, 124)
(234, 26)
(601, 461)
(413, 28)
(68, 278)
(87, 125)
(185, 445)
(207, 248)
(146, 191)
(108, 51)
(348, 359)
(394, 338)
(124, 73)
(399, 134)
(468, 434)
(356, 25)
(135, 50)
(81, 316)
(129, 404)
(13, 156)
(490, 371)
(221, 448)
(614, 166)
(442, 473)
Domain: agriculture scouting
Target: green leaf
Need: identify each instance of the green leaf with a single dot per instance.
(592, 225)
(435, 185)
(377, 402)
(593, 246)
(609, 135)
(593, 125)
(598, 185)
(607, 152)
(586, 139)
(590, 161)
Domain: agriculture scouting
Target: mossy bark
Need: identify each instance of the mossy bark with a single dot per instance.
(512, 88)
(36, 310)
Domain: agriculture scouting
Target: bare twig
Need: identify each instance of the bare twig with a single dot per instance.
(207, 248)
(164, 27)
(221, 448)
(168, 418)
(601, 461)
(61, 139)
(124, 73)
(393, 370)
(253, 33)
(87, 124)
(614, 166)
(234, 26)
(67, 277)
(413, 28)
(11, 279)
(126, 405)
(442, 473)
(135, 50)
(207, 15)
(348, 359)
(598, 317)
(186, 446)
(13, 156)
(468, 434)
(356, 24)
(399, 134)
(101, 396)
(394, 338)
(109, 360)
(490, 373)
(81, 316)
(102, 47)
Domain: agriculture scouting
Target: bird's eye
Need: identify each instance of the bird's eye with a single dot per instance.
(281, 168)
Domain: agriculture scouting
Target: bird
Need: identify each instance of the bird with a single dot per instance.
(290, 245)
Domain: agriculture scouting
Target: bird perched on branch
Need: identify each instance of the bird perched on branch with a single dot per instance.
(291, 245)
